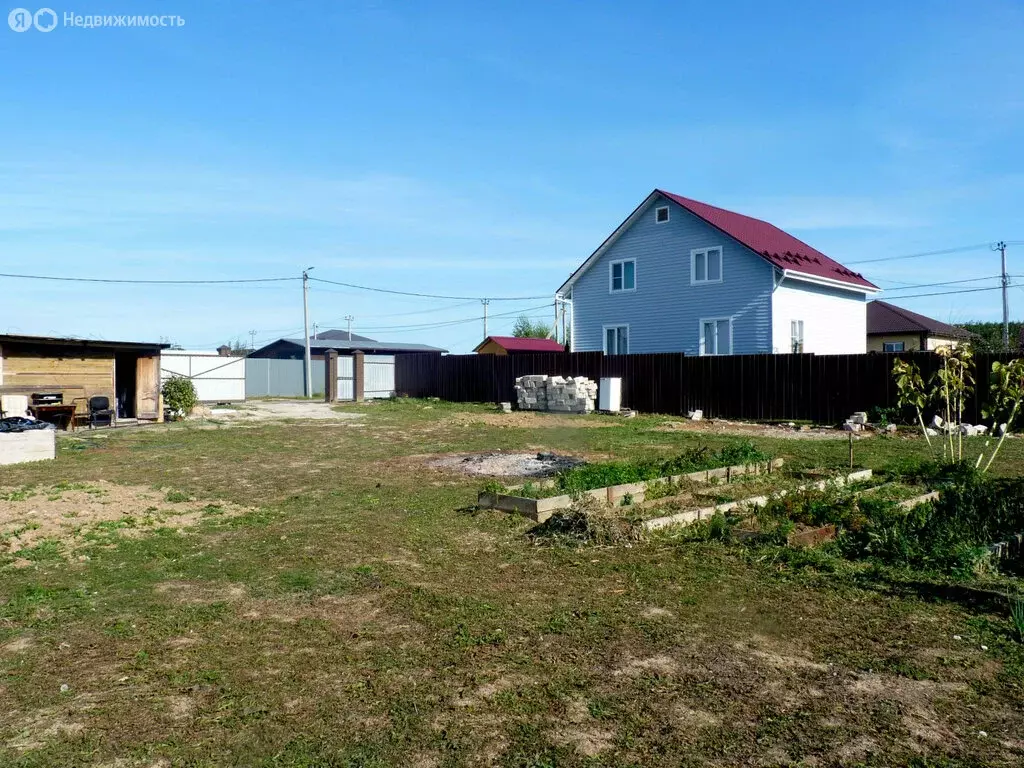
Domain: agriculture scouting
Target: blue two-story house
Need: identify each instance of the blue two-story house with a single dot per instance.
(679, 275)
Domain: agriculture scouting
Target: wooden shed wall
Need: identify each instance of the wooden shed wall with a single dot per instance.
(76, 373)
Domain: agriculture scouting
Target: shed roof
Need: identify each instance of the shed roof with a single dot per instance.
(886, 318)
(66, 341)
(343, 345)
(515, 344)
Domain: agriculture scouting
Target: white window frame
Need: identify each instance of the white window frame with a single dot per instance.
(611, 280)
(668, 214)
(885, 344)
(700, 335)
(604, 338)
(693, 265)
(796, 334)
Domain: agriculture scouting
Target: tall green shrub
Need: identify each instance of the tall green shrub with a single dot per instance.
(180, 395)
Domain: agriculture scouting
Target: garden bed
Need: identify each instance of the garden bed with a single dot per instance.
(540, 509)
(688, 516)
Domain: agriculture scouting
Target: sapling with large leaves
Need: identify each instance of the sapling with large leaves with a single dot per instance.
(954, 384)
(911, 391)
(1006, 392)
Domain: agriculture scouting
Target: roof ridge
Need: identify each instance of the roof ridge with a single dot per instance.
(903, 313)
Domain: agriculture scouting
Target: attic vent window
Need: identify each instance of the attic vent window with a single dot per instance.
(661, 214)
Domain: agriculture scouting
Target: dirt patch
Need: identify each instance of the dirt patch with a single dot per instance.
(655, 665)
(194, 593)
(489, 690)
(534, 420)
(587, 741)
(745, 429)
(280, 410)
(74, 515)
(17, 645)
(497, 464)
(690, 718)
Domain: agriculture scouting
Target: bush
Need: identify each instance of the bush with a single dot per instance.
(180, 395)
(951, 534)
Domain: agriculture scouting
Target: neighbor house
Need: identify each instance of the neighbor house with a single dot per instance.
(343, 342)
(75, 370)
(683, 276)
(512, 345)
(895, 329)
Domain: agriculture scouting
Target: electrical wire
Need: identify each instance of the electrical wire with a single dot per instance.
(446, 323)
(951, 293)
(910, 286)
(426, 295)
(958, 249)
(148, 282)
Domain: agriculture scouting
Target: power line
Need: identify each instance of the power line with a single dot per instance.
(959, 249)
(425, 295)
(951, 293)
(910, 286)
(148, 282)
(460, 321)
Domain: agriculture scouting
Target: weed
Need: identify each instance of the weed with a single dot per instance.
(176, 497)
(1017, 616)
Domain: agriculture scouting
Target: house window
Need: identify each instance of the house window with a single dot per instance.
(796, 336)
(616, 339)
(622, 276)
(894, 346)
(706, 265)
(661, 214)
(716, 336)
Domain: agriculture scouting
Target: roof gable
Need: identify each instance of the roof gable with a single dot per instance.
(884, 317)
(778, 248)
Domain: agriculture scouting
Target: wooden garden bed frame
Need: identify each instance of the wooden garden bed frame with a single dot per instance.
(541, 509)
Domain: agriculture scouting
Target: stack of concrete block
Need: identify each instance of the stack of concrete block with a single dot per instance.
(532, 393)
(555, 393)
(573, 395)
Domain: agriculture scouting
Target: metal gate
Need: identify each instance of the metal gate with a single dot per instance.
(379, 378)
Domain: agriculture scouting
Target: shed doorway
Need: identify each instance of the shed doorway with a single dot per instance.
(125, 364)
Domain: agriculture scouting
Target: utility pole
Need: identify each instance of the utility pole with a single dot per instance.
(554, 325)
(485, 302)
(1001, 247)
(563, 322)
(314, 331)
(252, 341)
(349, 318)
(305, 328)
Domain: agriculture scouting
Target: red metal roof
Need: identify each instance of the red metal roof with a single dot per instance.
(771, 243)
(514, 344)
(885, 318)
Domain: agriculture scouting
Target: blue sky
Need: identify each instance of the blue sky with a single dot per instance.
(485, 149)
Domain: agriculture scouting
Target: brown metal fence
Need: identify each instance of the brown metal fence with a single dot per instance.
(820, 388)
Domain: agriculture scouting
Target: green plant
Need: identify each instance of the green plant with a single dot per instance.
(1006, 391)
(911, 390)
(180, 395)
(954, 383)
(525, 328)
(1017, 616)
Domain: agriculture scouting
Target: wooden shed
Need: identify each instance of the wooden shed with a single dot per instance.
(128, 373)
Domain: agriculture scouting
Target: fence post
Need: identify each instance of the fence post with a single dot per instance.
(331, 375)
(358, 376)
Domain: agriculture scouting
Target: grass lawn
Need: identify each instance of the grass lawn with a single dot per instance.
(315, 594)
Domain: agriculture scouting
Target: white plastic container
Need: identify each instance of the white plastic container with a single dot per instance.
(609, 395)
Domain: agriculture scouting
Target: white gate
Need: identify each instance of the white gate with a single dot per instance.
(217, 379)
(379, 379)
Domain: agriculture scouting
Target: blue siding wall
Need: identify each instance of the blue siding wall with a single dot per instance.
(664, 312)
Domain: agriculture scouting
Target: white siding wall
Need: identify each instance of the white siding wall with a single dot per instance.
(835, 321)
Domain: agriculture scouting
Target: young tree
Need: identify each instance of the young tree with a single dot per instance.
(527, 329)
